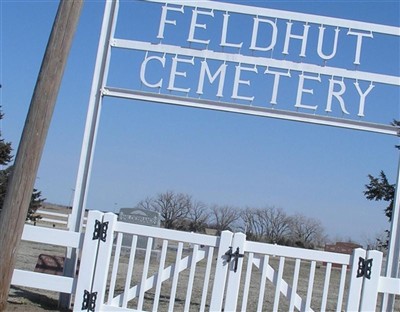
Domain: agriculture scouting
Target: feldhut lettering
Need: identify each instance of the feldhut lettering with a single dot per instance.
(268, 43)
(199, 31)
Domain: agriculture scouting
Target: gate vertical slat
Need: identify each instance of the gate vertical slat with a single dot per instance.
(247, 281)
(221, 272)
(159, 275)
(369, 293)
(88, 260)
(207, 274)
(129, 271)
(146, 264)
(103, 260)
(355, 285)
(115, 268)
(342, 284)
(311, 277)
(191, 277)
(278, 283)
(326, 286)
(175, 277)
(234, 273)
(263, 267)
(292, 297)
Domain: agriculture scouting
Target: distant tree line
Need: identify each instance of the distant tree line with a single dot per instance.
(271, 225)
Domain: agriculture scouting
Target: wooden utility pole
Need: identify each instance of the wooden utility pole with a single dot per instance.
(20, 187)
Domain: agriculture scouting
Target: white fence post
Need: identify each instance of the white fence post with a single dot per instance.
(372, 274)
(221, 271)
(88, 262)
(355, 285)
(103, 259)
(235, 271)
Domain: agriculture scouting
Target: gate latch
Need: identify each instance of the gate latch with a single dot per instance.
(235, 255)
(364, 267)
(229, 255)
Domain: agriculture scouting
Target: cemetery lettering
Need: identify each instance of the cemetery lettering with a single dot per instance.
(336, 87)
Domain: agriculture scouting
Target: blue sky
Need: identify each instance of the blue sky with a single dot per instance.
(218, 158)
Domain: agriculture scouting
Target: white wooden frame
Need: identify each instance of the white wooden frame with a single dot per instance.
(41, 280)
(100, 89)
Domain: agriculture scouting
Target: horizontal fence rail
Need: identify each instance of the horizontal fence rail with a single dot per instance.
(45, 281)
(48, 218)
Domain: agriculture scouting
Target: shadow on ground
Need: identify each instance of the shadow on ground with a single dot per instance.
(28, 299)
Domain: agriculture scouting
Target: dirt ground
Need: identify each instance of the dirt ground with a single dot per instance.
(24, 299)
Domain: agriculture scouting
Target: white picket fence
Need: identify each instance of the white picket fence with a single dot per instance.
(188, 271)
(53, 219)
(53, 237)
(49, 218)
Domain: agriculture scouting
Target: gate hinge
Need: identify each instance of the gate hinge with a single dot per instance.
(364, 267)
(100, 230)
(89, 301)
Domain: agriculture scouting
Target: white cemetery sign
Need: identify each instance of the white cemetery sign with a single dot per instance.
(138, 216)
(209, 56)
(271, 67)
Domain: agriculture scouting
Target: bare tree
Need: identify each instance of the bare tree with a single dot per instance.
(306, 232)
(199, 216)
(374, 241)
(268, 224)
(173, 207)
(252, 226)
(146, 204)
(278, 225)
(224, 218)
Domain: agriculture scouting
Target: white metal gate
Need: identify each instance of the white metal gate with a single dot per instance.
(180, 271)
(280, 278)
(150, 278)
